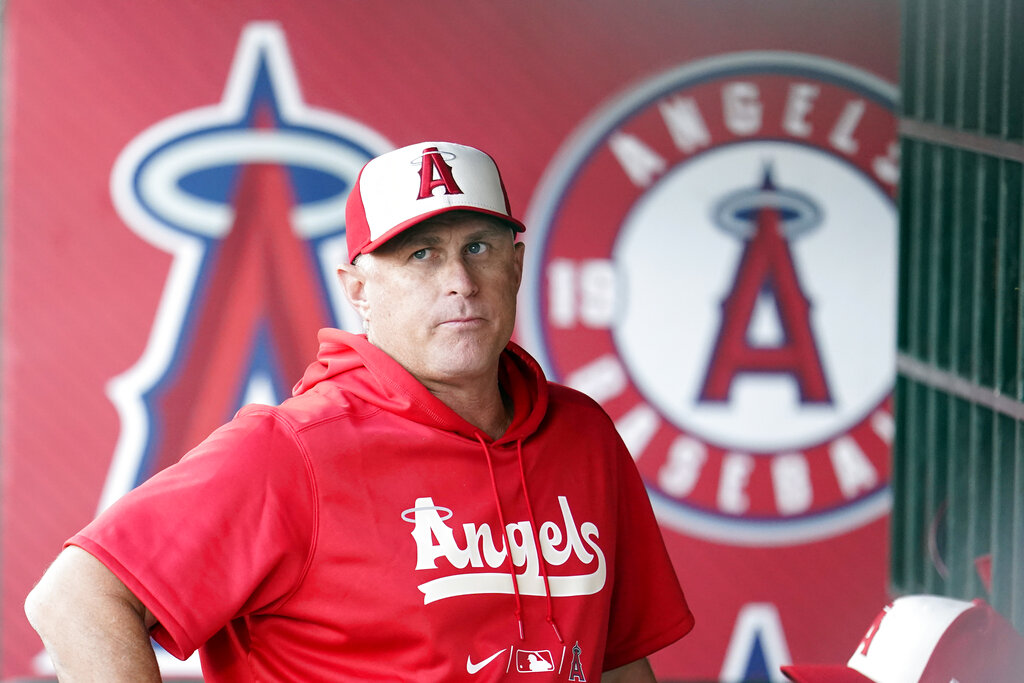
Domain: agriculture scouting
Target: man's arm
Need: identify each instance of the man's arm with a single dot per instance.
(634, 672)
(93, 627)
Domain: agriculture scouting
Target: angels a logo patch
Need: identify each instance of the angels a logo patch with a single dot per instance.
(714, 261)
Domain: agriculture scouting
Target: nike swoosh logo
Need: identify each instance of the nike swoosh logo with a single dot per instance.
(474, 668)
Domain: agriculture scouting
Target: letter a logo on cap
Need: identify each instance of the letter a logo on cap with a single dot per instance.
(431, 160)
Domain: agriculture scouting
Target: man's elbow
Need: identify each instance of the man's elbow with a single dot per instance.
(38, 607)
(43, 607)
(75, 588)
(34, 608)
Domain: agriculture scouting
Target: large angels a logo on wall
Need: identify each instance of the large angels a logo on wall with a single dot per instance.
(714, 260)
(249, 196)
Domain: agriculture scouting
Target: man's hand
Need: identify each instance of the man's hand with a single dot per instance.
(634, 672)
(93, 627)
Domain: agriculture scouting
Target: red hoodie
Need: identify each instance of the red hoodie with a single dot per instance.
(360, 532)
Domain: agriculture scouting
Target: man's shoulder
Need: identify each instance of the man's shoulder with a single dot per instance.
(320, 411)
(311, 409)
(571, 406)
(565, 396)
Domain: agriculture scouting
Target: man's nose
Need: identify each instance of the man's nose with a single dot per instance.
(459, 277)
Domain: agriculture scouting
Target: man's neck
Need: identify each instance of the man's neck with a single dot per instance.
(486, 407)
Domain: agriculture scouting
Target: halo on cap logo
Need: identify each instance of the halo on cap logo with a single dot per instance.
(445, 154)
(714, 261)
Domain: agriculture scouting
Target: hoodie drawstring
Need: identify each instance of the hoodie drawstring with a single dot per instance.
(536, 541)
(504, 531)
(508, 544)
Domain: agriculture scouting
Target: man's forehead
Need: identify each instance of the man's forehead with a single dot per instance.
(434, 230)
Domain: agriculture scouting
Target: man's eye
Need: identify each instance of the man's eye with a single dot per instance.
(420, 255)
(476, 248)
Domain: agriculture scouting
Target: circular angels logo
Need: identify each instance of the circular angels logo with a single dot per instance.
(714, 261)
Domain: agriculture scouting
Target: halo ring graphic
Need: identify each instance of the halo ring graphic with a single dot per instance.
(447, 155)
(407, 514)
(800, 214)
(160, 177)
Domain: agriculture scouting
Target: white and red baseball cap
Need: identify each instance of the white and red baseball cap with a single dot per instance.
(401, 188)
(928, 639)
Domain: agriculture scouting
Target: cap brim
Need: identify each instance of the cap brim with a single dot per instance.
(513, 223)
(824, 673)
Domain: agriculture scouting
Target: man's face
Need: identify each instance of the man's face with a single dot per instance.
(441, 297)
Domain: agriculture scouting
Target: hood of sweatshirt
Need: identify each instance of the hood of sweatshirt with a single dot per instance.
(376, 378)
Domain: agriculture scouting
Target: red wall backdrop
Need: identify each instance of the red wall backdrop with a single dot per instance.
(709, 188)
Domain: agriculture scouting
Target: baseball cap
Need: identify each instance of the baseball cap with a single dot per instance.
(928, 639)
(403, 187)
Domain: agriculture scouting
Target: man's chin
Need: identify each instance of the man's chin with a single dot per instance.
(466, 361)
(451, 358)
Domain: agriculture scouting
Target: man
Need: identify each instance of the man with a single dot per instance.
(426, 507)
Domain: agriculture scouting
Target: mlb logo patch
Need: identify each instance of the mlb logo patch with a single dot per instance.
(534, 661)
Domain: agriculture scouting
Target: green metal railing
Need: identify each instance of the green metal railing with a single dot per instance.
(958, 460)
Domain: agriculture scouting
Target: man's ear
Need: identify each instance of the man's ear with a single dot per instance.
(520, 250)
(353, 284)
